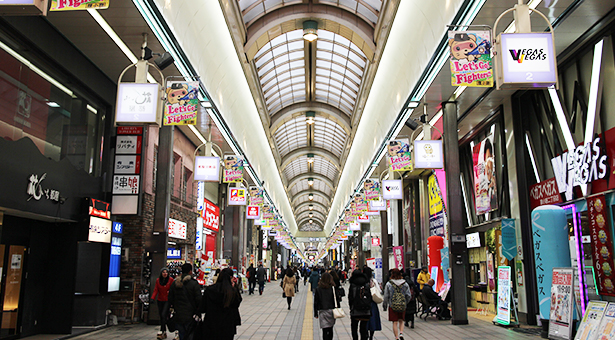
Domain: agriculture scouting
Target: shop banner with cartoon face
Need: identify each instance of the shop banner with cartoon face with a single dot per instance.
(267, 213)
(562, 302)
(67, 5)
(471, 63)
(256, 196)
(398, 155)
(360, 203)
(372, 189)
(485, 185)
(182, 103)
(233, 169)
(602, 244)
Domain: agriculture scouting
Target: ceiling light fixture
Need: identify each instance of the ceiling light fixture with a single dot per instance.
(310, 207)
(310, 158)
(310, 215)
(310, 30)
(310, 181)
(309, 117)
(311, 197)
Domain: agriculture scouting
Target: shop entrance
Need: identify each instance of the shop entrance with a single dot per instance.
(12, 259)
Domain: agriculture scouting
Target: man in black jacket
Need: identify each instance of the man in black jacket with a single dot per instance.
(434, 300)
(184, 298)
(251, 273)
(261, 277)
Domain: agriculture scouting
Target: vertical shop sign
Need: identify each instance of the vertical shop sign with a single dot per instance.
(233, 169)
(378, 272)
(398, 255)
(211, 216)
(256, 196)
(504, 293)
(471, 58)
(562, 302)
(606, 330)
(199, 233)
(127, 170)
(509, 238)
(485, 185)
(589, 325)
(182, 103)
(444, 256)
(436, 211)
(602, 244)
(398, 155)
(372, 189)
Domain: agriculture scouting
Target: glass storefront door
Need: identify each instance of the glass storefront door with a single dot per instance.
(12, 261)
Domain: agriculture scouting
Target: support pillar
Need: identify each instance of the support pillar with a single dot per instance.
(232, 227)
(384, 241)
(458, 250)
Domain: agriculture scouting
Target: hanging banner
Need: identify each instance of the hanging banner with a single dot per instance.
(589, 325)
(428, 154)
(503, 311)
(237, 196)
(509, 238)
(436, 213)
(267, 213)
(182, 103)
(360, 203)
(233, 169)
(485, 185)
(398, 155)
(562, 303)
(253, 212)
(372, 189)
(71, 5)
(471, 58)
(256, 196)
(398, 255)
(606, 329)
(602, 245)
(211, 216)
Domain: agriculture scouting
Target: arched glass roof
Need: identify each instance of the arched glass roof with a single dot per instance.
(324, 167)
(367, 9)
(329, 135)
(306, 208)
(280, 66)
(310, 227)
(317, 198)
(318, 185)
(291, 135)
(296, 167)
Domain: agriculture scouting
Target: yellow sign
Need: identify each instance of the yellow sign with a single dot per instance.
(71, 5)
(435, 202)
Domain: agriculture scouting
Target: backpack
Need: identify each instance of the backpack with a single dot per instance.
(363, 300)
(398, 300)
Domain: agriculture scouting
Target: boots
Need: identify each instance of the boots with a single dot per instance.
(412, 324)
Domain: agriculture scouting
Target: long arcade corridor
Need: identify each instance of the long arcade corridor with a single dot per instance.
(267, 318)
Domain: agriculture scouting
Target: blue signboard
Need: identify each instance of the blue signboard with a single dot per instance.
(114, 262)
(174, 254)
(118, 227)
(509, 238)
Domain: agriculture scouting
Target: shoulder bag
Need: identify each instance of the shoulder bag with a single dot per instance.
(376, 293)
(338, 312)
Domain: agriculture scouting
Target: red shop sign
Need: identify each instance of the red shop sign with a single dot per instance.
(602, 245)
(211, 216)
(544, 193)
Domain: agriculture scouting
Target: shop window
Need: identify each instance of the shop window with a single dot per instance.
(62, 123)
(186, 194)
(175, 185)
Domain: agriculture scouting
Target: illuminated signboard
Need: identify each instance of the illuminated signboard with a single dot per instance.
(253, 212)
(211, 216)
(237, 196)
(178, 229)
(392, 190)
(100, 230)
(137, 103)
(207, 169)
(428, 154)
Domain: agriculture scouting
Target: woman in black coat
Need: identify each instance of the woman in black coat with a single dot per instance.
(411, 306)
(221, 307)
(360, 304)
(324, 302)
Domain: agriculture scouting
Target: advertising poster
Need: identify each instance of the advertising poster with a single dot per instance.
(372, 189)
(233, 169)
(606, 329)
(360, 203)
(177, 229)
(267, 213)
(589, 325)
(436, 209)
(256, 196)
(398, 155)
(602, 245)
(485, 185)
(503, 308)
(544, 193)
(398, 255)
(562, 303)
(68, 5)
(211, 216)
(182, 103)
(471, 58)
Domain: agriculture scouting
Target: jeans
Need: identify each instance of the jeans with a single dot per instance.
(361, 325)
(261, 286)
(182, 329)
(162, 312)
(251, 285)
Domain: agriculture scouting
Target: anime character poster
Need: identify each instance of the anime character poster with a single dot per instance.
(233, 169)
(471, 63)
(256, 196)
(485, 185)
(372, 189)
(398, 155)
(360, 202)
(182, 103)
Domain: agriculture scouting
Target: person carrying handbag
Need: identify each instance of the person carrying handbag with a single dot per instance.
(374, 323)
(324, 303)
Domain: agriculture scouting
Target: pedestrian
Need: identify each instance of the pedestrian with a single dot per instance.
(314, 279)
(298, 279)
(288, 285)
(433, 299)
(339, 290)
(261, 277)
(423, 277)
(411, 306)
(221, 307)
(324, 302)
(184, 298)
(396, 296)
(374, 323)
(251, 274)
(360, 303)
(161, 296)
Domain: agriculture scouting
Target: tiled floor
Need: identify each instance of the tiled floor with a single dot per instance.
(266, 317)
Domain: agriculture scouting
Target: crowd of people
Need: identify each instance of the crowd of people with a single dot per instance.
(219, 303)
